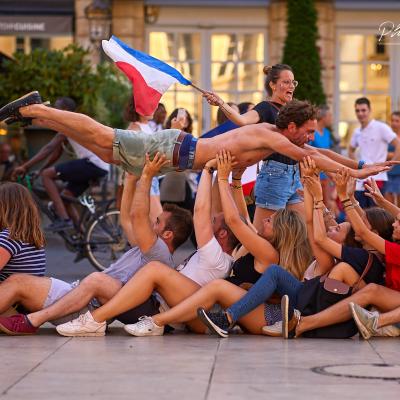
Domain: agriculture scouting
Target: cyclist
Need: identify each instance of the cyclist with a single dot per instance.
(77, 173)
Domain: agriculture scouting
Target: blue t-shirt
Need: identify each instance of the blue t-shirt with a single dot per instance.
(395, 171)
(323, 141)
(25, 258)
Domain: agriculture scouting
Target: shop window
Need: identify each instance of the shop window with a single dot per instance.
(364, 71)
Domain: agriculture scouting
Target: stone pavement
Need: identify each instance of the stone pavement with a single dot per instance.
(186, 366)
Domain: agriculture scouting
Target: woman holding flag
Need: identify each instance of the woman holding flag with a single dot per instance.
(279, 179)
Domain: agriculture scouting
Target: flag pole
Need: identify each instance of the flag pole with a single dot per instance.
(197, 88)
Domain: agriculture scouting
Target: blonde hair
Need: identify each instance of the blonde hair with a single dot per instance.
(20, 215)
(290, 240)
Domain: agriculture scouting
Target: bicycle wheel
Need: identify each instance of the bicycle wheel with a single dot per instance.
(104, 240)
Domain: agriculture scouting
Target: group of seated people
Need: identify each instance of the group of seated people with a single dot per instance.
(238, 277)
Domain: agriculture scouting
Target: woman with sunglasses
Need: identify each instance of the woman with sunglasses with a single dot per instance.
(279, 179)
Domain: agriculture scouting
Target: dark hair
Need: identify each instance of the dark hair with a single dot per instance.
(180, 222)
(221, 117)
(381, 221)
(296, 111)
(130, 114)
(363, 100)
(273, 73)
(322, 111)
(244, 106)
(65, 103)
(396, 113)
(174, 114)
(233, 241)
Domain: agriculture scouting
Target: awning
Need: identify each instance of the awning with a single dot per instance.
(35, 24)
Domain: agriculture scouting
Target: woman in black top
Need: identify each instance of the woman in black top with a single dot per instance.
(279, 178)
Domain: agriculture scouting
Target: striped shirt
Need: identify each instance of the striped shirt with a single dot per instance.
(25, 258)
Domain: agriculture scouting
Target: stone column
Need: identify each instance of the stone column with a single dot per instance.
(128, 22)
(276, 31)
(326, 45)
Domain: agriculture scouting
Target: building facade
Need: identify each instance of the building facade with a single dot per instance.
(223, 45)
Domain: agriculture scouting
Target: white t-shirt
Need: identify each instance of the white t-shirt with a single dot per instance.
(82, 152)
(372, 143)
(208, 263)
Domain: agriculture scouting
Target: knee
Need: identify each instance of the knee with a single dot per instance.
(48, 173)
(216, 285)
(17, 279)
(93, 280)
(371, 289)
(156, 268)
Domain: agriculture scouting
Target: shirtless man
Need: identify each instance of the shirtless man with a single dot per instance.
(249, 144)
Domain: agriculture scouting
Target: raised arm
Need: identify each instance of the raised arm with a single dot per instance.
(251, 117)
(261, 249)
(126, 218)
(141, 203)
(325, 261)
(376, 195)
(330, 246)
(359, 226)
(238, 195)
(202, 218)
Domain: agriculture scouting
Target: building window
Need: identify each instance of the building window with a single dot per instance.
(364, 71)
(230, 63)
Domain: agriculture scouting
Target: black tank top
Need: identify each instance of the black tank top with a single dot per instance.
(244, 271)
(268, 112)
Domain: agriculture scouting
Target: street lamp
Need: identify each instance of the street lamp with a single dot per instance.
(98, 13)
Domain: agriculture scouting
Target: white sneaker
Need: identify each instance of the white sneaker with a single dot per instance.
(276, 329)
(144, 327)
(84, 325)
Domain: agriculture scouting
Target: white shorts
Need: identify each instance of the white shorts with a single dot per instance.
(58, 289)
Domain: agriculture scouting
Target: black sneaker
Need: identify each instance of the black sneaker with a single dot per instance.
(59, 225)
(217, 321)
(10, 110)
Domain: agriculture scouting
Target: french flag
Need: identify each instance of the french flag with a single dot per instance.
(150, 77)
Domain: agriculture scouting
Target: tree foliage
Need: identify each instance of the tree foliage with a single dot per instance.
(301, 52)
(100, 93)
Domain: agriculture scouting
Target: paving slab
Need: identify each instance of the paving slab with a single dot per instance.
(187, 366)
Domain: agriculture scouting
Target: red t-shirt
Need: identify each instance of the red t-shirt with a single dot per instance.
(392, 258)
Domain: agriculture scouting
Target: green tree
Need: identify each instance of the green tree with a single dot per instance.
(100, 93)
(301, 52)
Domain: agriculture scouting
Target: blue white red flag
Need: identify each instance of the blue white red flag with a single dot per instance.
(150, 77)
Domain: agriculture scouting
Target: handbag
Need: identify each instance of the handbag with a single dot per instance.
(321, 292)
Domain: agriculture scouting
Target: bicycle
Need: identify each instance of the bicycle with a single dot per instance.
(96, 236)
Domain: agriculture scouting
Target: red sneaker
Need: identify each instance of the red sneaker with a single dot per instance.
(17, 325)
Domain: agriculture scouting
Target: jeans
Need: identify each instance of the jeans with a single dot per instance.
(274, 279)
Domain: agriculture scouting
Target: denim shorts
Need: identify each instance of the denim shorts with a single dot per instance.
(276, 185)
(155, 187)
(393, 184)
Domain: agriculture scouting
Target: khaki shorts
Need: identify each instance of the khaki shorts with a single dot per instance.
(130, 148)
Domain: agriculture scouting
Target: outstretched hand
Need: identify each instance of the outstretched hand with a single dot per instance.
(373, 191)
(152, 167)
(308, 167)
(370, 170)
(213, 99)
(313, 185)
(225, 163)
(341, 180)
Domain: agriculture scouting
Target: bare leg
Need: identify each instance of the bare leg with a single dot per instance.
(48, 177)
(384, 298)
(98, 285)
(30, 291)
(172, 286)
(299, 207)
(259, 215)
(218, 291)
(389, 318)
(79, 127)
